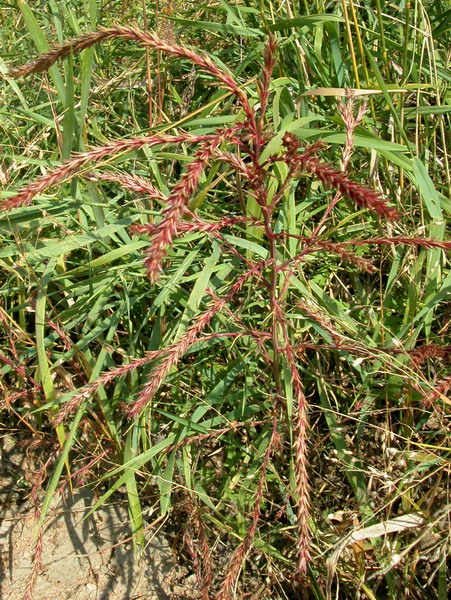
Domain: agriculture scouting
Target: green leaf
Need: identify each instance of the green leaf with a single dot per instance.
(305, 21)
(215, 27)
(42, 45)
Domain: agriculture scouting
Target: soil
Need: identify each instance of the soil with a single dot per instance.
(83, 558)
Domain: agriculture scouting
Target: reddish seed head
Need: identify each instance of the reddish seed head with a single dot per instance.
(247, 137)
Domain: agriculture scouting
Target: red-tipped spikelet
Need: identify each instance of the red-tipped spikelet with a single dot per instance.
(200, 552)
(441, 390)
(421, 354)
(177, 201)
(318, 317)
(351, 121)
(72, 166)
(263, 83)
(331, 177)
(360, 194)
(149, 40)
(243, 159)
(406, 241)
(300, 462)
(173, 353)
(236, 562)
(132, 183)
(88, 390)
(341, 249)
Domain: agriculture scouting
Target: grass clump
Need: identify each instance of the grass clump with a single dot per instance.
(247, 378)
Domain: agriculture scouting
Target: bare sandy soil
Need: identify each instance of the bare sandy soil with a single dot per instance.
(83, 558)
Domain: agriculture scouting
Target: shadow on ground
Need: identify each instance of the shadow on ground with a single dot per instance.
(83, 558)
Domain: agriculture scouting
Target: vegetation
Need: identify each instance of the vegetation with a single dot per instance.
(224, 282)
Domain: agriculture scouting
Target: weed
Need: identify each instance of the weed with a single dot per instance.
(265, 257)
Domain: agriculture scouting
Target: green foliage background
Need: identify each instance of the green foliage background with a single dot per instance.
(75, 300)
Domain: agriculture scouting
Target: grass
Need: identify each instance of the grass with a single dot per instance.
(234, 301)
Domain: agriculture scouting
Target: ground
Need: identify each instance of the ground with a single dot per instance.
(83, 558)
